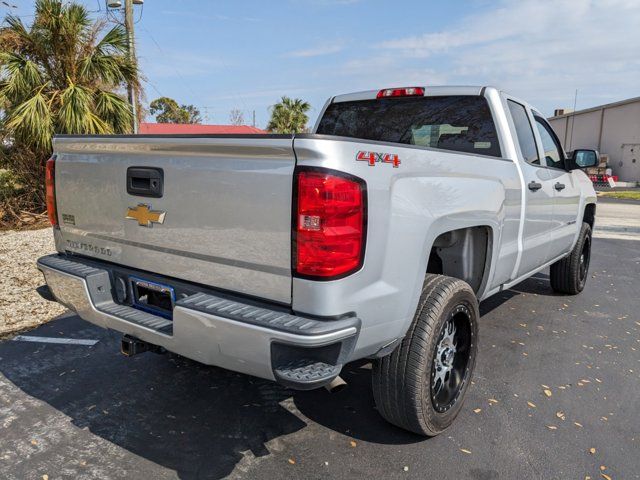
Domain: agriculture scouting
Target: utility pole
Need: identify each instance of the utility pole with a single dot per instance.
(131, 88)
(254, 118)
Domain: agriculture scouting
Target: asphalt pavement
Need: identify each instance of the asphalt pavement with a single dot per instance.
(556, 394)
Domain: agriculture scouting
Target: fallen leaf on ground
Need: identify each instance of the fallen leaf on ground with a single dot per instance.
(605, 476)
(547, 392)
(531, 404)
(552, 427)
(292, 461)
(493, 400)
(560, 415)
(477, 410)
(592, 451)
(577, 424)
(45, 477)
(353, 444)
(464, 450)
(603, 468)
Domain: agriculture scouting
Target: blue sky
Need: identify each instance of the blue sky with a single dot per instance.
(220, 55)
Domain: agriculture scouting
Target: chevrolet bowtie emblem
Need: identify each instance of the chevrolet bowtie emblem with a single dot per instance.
(145, 216)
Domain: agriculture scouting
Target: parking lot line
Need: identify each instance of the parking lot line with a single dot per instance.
(64, 341)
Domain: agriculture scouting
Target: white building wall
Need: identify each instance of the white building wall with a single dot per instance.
(611, 129)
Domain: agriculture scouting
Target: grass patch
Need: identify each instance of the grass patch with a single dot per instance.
(624, 195)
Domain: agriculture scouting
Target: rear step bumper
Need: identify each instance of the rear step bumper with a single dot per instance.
(297, 351)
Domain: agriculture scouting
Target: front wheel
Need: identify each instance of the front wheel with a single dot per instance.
(421, 385)
(569, 275)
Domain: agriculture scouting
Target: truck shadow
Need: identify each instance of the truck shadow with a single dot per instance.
(537, 285)
(352, 411)
(196, 420)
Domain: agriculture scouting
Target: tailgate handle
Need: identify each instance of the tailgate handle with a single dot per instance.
(145, 181)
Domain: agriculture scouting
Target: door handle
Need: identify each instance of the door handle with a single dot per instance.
(533, 186)
(559, 186)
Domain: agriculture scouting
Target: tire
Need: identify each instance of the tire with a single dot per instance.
(569, 275)
(405, 383)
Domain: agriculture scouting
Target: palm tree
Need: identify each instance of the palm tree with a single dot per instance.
(61, 74)
(289, 116)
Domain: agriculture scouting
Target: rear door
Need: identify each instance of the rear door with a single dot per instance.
(223, 218)
(538, 191)
(566, 193)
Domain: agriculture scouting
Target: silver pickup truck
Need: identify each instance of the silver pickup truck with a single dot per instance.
(287, 256)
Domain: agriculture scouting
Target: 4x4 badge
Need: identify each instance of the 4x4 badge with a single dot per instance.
(374, 157)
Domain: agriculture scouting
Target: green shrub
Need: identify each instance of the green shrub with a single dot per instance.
(9, 185)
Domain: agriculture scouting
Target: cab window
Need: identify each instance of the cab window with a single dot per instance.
(524, 131)
(460, 123)
(552, 151)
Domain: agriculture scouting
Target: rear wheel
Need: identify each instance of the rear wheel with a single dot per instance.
(421, 385)
(569, 275)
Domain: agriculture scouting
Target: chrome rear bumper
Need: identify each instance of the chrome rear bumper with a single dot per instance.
(258, 340)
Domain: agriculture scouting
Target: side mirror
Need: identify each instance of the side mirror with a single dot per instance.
(584, 159)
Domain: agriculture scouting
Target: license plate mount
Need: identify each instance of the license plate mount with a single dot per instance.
(153, 297)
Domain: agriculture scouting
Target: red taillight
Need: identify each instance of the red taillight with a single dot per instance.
(401, 92)
(50, 182)
(330, 222)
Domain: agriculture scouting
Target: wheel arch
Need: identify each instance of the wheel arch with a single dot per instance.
(465, 253)
(589, 214)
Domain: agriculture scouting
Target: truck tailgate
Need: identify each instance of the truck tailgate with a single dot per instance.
(226, 202)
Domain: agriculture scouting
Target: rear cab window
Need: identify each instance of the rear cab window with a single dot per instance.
(461, 123)
(524, 132)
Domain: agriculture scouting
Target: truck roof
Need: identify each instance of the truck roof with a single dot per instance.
(429, 91)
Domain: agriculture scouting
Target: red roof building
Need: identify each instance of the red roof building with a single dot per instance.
(196, 129)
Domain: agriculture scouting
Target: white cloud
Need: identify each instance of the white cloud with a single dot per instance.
(383, 72)
(316, 51)
(541, 51)
(174, 63)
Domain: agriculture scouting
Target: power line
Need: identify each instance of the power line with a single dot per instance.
(173, 68)
(141, 12)
(154, 87)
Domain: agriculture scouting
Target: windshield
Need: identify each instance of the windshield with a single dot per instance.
(458, 122)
